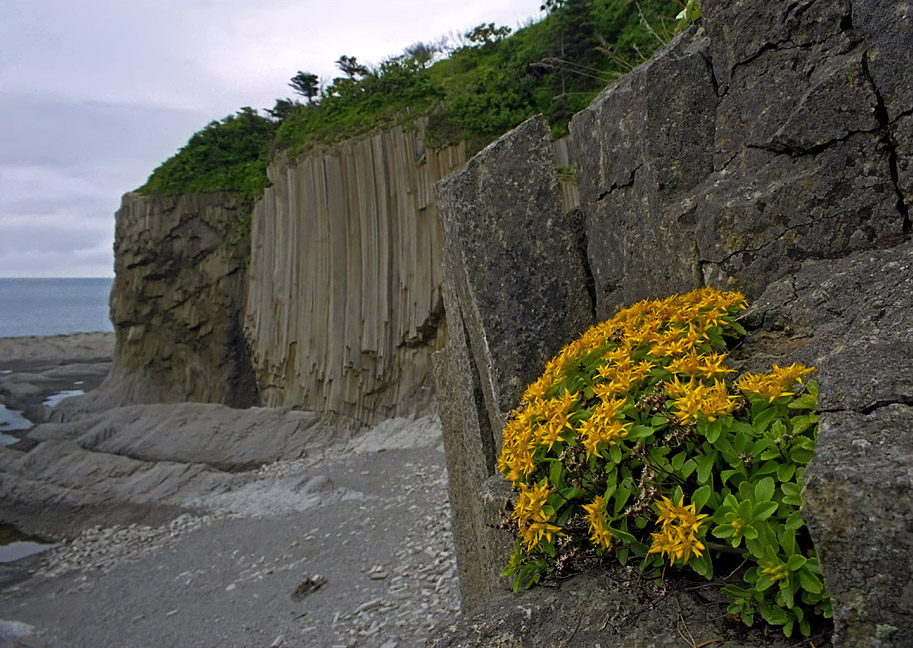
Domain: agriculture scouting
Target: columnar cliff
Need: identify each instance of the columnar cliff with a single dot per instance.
(343, 303)
(330, 301)
(177, 301)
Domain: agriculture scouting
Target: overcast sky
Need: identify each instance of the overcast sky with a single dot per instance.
(94, 94)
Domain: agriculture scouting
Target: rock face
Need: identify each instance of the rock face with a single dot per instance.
(177, 302)
(852, 319)
(344, 302)
(766, 150)
(739, 152)
(512, 291)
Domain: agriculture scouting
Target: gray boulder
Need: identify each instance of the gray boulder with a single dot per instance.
(515, 290)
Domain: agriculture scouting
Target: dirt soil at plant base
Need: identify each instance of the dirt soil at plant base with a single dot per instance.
(350, 546)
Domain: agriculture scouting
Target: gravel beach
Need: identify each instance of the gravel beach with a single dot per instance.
(346, 542)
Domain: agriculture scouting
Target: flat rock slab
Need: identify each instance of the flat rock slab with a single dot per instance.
(149, 463)
(34, 368)
(215, 435)
(62, 348)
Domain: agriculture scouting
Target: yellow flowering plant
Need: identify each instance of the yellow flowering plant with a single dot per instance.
(634, 444)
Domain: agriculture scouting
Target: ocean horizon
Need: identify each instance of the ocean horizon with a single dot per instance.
(54, 306)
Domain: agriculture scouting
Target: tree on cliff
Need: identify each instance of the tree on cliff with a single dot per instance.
(486, 34)
(423, 53)
(282, 109)
(306, 84)
(351, 67)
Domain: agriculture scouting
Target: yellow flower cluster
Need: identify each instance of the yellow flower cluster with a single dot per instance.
(711, 400)
(540, 424)
(679, 525)
(603, 426)
(774, 384)
(622, 352)
(596, 515)
(532, 517)
(709, 365)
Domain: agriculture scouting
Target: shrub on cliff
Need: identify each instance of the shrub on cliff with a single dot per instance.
(633, 445)
(227, 155)
(554, 67)
(493, 83)
(400, 89)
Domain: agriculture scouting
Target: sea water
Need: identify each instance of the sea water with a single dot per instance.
(54, 306)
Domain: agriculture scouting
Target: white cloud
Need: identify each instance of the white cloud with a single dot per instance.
(97, 93)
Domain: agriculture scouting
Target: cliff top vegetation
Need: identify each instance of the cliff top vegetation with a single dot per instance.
(474, 90)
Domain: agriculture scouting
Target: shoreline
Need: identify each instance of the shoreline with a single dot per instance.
(34, 368)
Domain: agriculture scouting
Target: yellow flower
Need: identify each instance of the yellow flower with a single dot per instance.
(516, 460)
(708, 365)
(554, 412)
(530, 503)
(679, 525)
(774, 384)
(538, 388)
(532, 517)
(532, 535)
(712, 401)
(595, 430)
(671, 343)
(775, 571)
(596, 515)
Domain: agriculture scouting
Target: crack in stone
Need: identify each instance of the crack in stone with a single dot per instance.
(881, 114)
(871, 408)
(766, 47)
(589, 278)
(615, 186)
(788, 44)
(780, 235)
(708, 62)
(798, 151)
(846, 23)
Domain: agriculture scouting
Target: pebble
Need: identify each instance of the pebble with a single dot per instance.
(420, 589)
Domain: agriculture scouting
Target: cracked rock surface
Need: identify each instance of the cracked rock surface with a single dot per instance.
(775, 132)
(767, 149)
(853, 319)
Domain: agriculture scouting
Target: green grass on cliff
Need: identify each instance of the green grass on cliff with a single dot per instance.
(482, 90)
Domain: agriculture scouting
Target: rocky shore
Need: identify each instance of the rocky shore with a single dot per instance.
(35, 368)
(303, 535)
